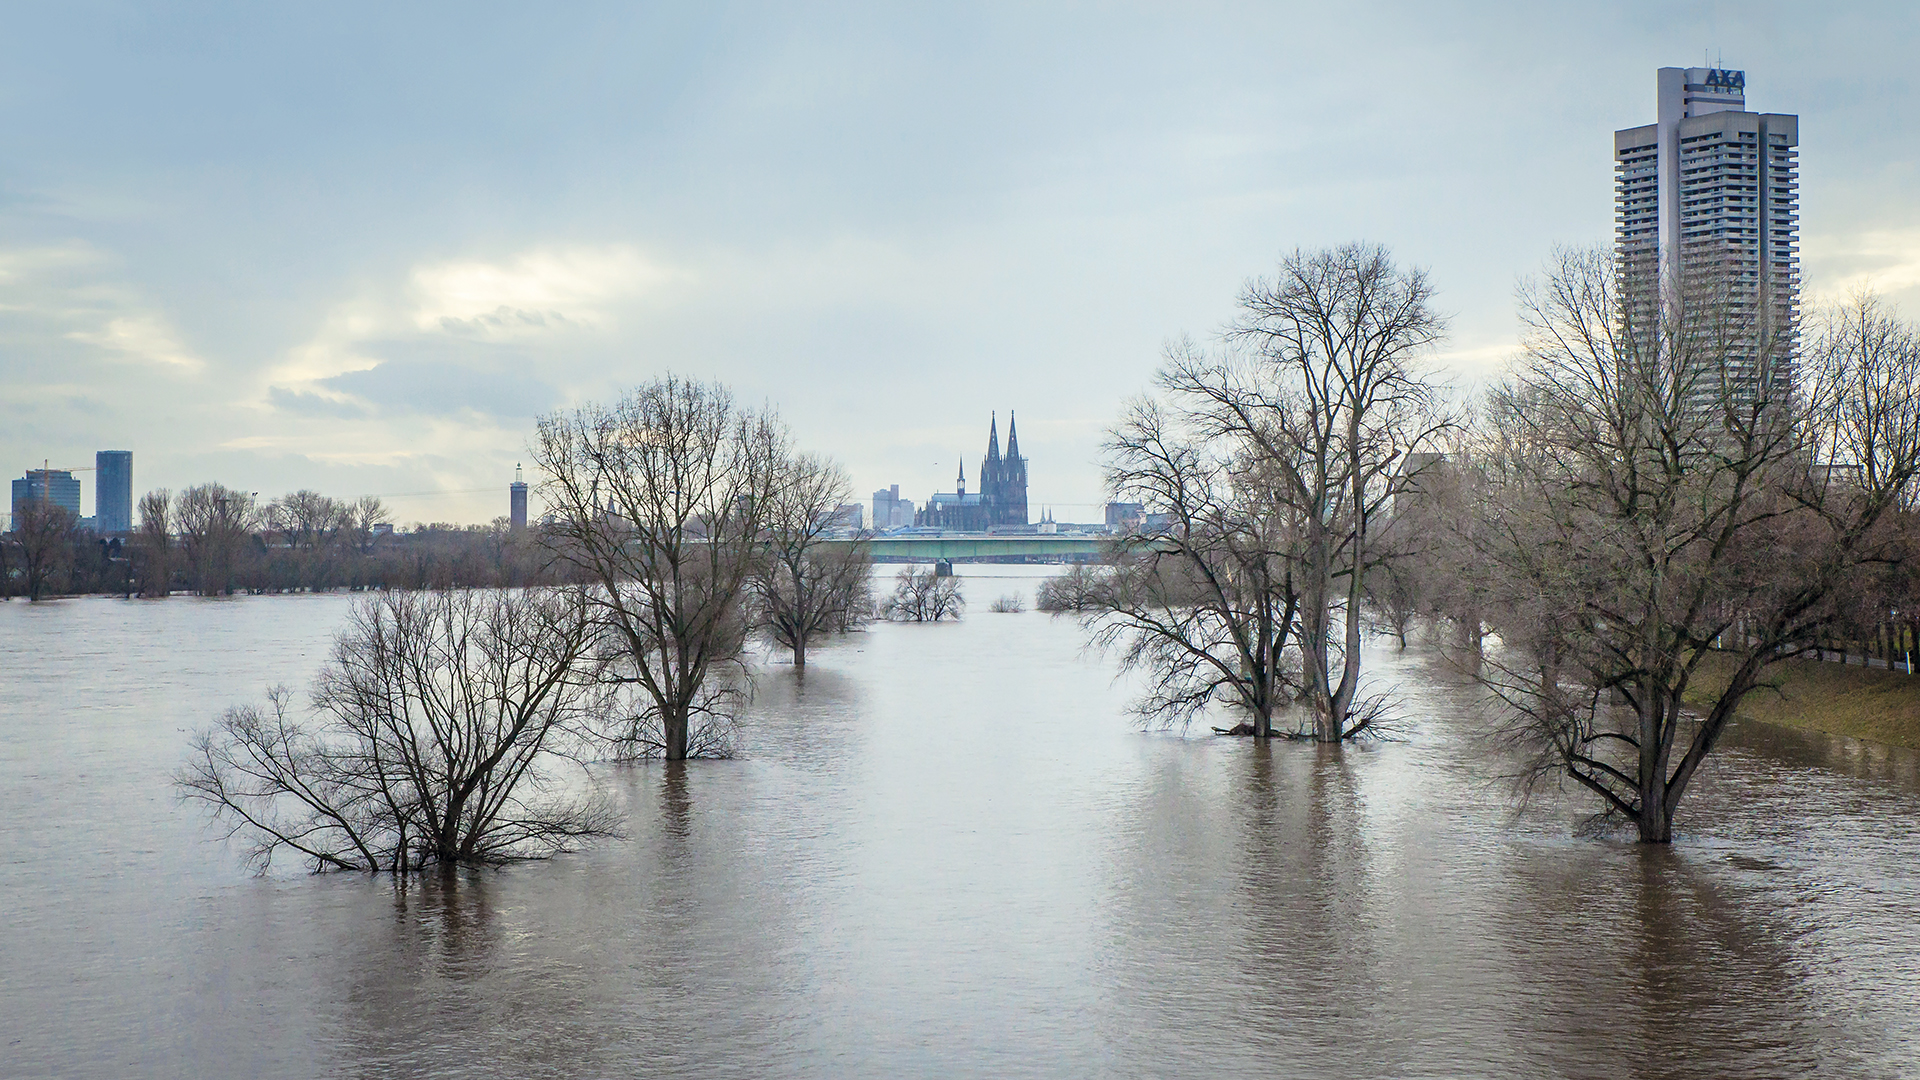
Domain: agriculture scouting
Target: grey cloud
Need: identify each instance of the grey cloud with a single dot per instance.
(302, 403)
(435, 378)
(503, 318)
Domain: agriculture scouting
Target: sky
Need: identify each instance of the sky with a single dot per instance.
(363, 248)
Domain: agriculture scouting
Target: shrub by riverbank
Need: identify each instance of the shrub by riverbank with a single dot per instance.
(1844, 699)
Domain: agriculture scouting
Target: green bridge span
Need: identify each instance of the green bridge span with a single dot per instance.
(964, 548)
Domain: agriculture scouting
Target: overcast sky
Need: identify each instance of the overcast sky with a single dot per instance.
(362, 249)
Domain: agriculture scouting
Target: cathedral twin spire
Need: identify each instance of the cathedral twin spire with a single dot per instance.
(993, 439)
(1002, 497)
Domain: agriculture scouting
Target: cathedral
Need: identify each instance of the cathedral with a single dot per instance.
(1002, 498)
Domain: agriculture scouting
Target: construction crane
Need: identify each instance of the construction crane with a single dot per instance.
(45, 468)
(46, 478)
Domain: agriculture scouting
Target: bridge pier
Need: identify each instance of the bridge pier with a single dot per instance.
(943, 568)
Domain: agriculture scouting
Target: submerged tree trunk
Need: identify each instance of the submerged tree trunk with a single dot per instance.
(673, 729)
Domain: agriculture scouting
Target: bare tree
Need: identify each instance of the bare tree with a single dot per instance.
(1667, 494)
(809, 584)
(660, 499)
(1207, 605)
(1075, 589)
(1394, 597)
(368, 513)
(313, 530)
(443, 718)
(153, 544)
(47, 533)
(1425, 566)
(216, 526)
(923, 596)
(1273, 463)
(1342, 330)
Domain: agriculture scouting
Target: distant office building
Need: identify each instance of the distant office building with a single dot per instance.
(847, 516)
(890, 511)
(1708, 198)
(113, 491)
(1123, 516)
(1413, 484)
(517, 500)
(1002, 498)
(57, 486)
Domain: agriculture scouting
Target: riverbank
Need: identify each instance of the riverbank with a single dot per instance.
(1843, 699)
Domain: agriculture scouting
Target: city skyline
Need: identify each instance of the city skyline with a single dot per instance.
(280, 290)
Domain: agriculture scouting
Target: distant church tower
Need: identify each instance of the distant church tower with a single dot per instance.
(1003, 480)
(1002, 498)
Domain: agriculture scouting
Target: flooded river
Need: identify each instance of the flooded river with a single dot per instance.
(948, 852)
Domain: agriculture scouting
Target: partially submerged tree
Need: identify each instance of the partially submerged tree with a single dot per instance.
(809, 584)
(312, 532)
(216, 526)
(1342, 330)
(660, 501)
(441, 722)
(1272, 464)
(47, 533)
(1206, 606)
(1394, 596)
(923, 596)
(152, 544)
(1668, 495)
(1073, 590)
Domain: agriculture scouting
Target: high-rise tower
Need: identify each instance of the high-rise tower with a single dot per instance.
(1707, 201)
(57, 486)
(112, 491)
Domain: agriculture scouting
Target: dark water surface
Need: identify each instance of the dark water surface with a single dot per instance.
(947, 853)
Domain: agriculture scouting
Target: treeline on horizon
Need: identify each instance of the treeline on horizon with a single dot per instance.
(211, 540)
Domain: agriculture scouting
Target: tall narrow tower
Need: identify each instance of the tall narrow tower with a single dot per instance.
(517, 501)
(1708, 197)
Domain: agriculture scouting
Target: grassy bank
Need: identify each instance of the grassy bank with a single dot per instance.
(1845, 699)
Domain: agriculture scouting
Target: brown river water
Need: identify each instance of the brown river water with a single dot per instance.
(948, 852)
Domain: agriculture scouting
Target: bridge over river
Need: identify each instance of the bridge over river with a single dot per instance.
(982, 547)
